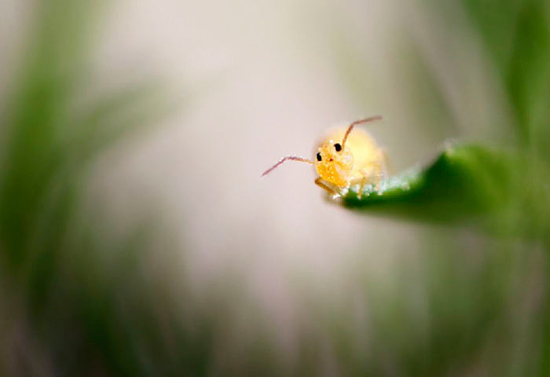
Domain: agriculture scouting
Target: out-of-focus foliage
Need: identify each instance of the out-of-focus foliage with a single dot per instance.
(87, 302)
(515, 34)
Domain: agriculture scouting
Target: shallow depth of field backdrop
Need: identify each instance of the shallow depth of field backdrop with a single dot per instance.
(137, 237)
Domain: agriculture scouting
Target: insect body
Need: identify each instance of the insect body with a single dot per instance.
(345, 158)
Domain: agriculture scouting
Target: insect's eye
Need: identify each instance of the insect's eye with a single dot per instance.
(338, 147)
(319, 156)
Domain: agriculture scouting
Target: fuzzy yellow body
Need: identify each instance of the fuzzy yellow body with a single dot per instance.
(360, 161)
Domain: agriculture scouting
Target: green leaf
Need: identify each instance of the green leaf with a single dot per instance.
(465, 183)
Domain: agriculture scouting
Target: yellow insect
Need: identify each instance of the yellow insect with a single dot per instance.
(344, 159)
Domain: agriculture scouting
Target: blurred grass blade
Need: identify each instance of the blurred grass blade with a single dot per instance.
(465, 183)
(48, 78)
(518, 39)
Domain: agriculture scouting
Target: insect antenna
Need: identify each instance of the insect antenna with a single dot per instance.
(287, 158)
(361, 121)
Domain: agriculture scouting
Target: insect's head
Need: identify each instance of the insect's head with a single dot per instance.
(334, 162)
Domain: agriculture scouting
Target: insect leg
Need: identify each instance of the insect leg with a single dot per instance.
(319, 182)
(385, 161)
(363, 182)
(375, 174)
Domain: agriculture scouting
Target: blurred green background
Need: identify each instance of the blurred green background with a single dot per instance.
(137, 238)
